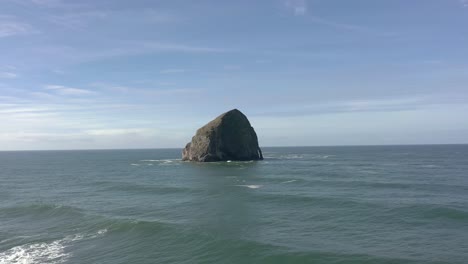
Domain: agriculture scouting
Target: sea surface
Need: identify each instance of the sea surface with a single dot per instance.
(378, 204)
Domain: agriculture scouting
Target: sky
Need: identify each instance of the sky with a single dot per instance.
(146, 74)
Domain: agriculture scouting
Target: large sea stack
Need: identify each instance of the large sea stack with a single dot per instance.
(228, 137)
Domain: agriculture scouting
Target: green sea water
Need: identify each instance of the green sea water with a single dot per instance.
(379, 204)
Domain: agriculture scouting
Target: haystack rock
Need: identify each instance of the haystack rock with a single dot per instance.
(228, 137)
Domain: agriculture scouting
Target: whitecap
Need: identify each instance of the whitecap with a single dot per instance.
(430, 166)
(53, 252)
(250, 186)
(292, 156)
(99, 233)
(158, 160)
(134, 164)
(149, 162)
(289, 181)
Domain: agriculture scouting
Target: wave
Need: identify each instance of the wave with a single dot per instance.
(428, 211)
(139, 226)
(160, 162)
(383, 184)
(138, 188)
(53, 252)
(250, 186)
(289, 181)
(308, 200)
(293, 156)
(49, 210)
(430, 166)
(335, 257)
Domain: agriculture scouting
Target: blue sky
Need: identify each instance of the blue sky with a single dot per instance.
(147, 74)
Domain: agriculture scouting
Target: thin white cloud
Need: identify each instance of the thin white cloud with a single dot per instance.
(87, 18)
(10, 26)
(298, 7)
(64, 90)
(231, 67)
(349, 27)
(146, 92)
(8, 75)
(49, 3)
(464, 3)
(119, 49)
(156, 16)
(15, 109)
(351, 106)
(77, 20)
(9, 67)
(174, 47)
(168, 71)
(117, 131)
(262, 61)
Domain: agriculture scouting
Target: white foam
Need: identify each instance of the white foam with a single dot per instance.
(52, 253)
(430, 166)
(149, 162)
(292, 156)
(156, 160)
(289, 181)
(99, 233)
(229, 161)
(250, 186)
(134, 164)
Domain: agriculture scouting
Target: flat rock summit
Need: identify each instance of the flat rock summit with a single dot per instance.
(228, 137)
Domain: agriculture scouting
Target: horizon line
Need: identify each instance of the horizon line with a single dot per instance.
(290, 146)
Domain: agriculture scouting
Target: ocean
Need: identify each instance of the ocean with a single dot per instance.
(369, 204)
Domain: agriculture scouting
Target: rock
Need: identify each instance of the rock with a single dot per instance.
(228, 137)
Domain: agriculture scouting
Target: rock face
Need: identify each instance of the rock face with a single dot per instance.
(228, 137)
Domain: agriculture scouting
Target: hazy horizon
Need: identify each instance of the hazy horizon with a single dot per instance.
(263, 147)
(147, 74)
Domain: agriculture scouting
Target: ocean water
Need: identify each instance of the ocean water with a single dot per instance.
(380, 204)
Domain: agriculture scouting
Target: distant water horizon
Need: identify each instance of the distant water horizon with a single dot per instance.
(325, 204)
(285, 146)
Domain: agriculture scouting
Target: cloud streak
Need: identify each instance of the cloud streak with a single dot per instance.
(64, 90)
(48, 3)
(70, 54)
(169, 71)
(349, 27)
(298, 7)
(77, 20)
(10, 26)
(8, 75)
